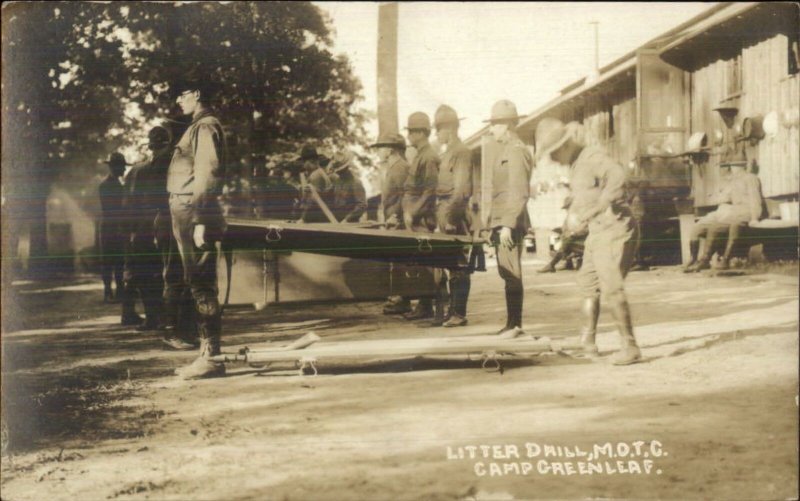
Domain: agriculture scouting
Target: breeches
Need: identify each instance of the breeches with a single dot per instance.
(607, 257)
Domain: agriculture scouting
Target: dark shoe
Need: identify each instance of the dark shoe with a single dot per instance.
(419, 314)
(131, 319)
(723, 264)
(201, 368)
(456, 321)
(177, 343)
(108, 296)
(703, 264)
(147, 326)
(397, 309)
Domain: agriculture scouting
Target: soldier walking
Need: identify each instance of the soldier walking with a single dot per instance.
(508, 215)
(599, 200)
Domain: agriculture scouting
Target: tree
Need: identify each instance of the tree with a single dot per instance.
(84, 79)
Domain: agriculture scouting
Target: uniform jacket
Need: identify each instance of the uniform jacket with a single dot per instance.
(197, 168)
(419, 197)
(740, 201)
(598, 188)
(511, 176)
(454, 187)
(392, 188)
(146, 195)
(311, 212)
(349, 197)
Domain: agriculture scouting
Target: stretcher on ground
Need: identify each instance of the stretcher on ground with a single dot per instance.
(307, 352)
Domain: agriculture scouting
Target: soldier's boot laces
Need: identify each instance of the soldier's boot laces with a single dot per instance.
(629, 352)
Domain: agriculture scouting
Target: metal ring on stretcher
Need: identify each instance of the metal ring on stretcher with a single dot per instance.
(424, 245)
(277, 230)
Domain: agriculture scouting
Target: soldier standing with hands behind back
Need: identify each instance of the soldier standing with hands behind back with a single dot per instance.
(508, 214)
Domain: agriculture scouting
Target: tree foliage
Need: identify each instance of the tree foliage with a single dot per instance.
(82, 79)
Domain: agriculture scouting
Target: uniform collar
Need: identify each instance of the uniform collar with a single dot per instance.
(206, 112)
(456, 142)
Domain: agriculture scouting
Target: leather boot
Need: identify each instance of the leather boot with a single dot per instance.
(629, 352)
(203, 366)
(590, 309)
(423, 310)
(129, 315)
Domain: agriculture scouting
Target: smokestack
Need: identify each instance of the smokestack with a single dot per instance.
(387, 68)
(596, 67)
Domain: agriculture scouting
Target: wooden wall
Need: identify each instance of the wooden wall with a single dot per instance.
(766, 87)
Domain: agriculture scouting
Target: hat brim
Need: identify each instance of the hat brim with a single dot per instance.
(388, 145)
(495, 120)
(550, 149)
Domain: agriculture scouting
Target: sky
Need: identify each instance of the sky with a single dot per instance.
(469, 55)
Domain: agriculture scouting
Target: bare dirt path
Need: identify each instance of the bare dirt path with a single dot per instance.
(93, 412)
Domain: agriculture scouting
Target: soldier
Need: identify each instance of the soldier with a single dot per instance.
(394, 171)
(508, 214)
(194, 182)
(740, 202)
(112, 236)
(146, 197)
(453, 193)
(599, 199)
(311, 211)
(349, 196)
(419, 199)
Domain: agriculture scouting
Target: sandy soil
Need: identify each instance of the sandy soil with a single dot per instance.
(91, 411)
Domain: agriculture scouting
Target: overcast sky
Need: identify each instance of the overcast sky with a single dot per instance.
(470, 55)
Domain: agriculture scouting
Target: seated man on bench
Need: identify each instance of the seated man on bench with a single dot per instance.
(740, 203)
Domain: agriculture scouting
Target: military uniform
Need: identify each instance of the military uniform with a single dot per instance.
(349, 197)
(453, 192)
(194, 182)
(511, 174)
(146, 198)
(598, 187)
(419, 191)
(740, 202)
(311, 211)
(393, 182)
(112, 235)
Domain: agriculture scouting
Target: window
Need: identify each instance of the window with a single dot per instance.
(794, 55)
(734, 76)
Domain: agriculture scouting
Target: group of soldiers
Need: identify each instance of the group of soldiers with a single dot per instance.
(175, 218)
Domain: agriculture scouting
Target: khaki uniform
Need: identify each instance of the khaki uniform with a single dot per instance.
(453, 192)
(511, 174)
(598, 190)
(194, 182)
(311, 211)
(740, 202)
(419, 191)
(393, 181)
(349, 197)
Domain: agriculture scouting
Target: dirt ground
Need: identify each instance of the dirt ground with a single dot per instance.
(91, 409)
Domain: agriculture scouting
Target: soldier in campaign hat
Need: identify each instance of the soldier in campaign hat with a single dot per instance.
(310, 210)
(419, 200)
(349, 196)
(507, 215)
(393, 169)
(453, 192)
(111, 235)
(194, 183)
(599, 201)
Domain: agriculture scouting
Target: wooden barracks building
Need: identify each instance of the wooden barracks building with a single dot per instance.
(669, 111)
